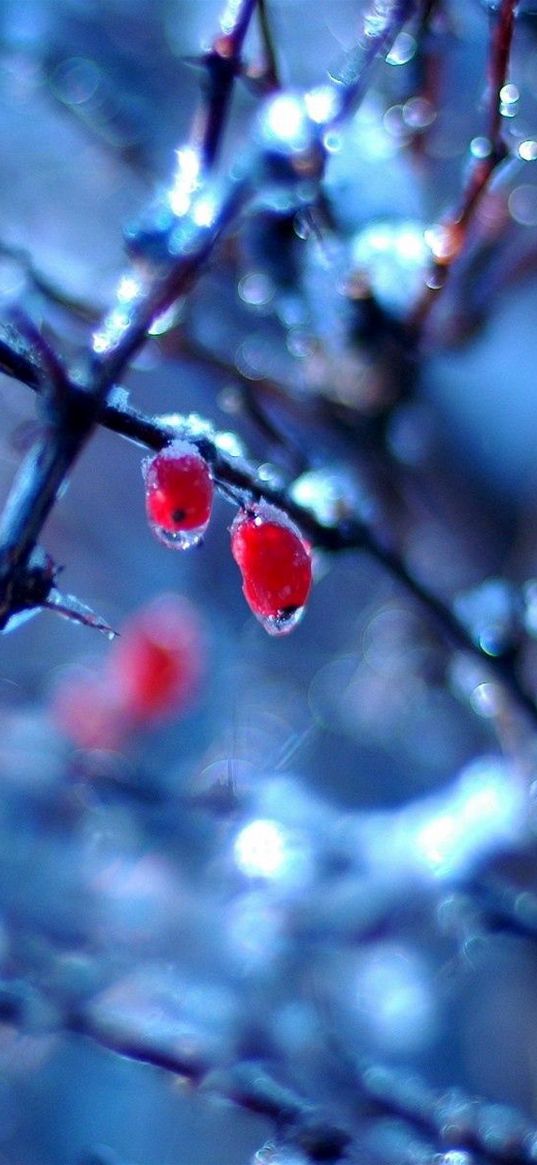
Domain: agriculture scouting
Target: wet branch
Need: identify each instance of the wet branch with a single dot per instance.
(222, 65)
(270, 71)
(239, 478)
(181, 252)
(67, 429)
(382, 23)
(451, 235)
(453, 1119)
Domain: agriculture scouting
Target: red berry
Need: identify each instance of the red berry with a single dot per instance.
(152, 672)
(275, 563)
(179, 494)
(156, 663)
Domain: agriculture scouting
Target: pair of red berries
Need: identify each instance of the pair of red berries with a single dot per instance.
(272, 556)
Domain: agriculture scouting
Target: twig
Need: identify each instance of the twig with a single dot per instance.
(46, 466)
(270, 72)
(382, 23)
(222, 64)
(125, 329)
(188, 1065)
(184, 249)
(80, 308)
(248, 1086)
(452, 233)
(504, 906)
(353, 534)
(457, 1121)
(33, 494)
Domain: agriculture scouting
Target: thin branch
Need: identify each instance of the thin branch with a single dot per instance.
(60, 297)
(185, 251)
(189, 1065)
(483, 168)
(48, 463)
(56, 387)
(453, 232)
(185, 247)
(124, 331)
(456, 1120)
(502, 39)
(222, 65)
(382, 23)
(426, 68)
(270, 71)
(248, 1086)
(352, 534)
(239, 477)
(33, 495)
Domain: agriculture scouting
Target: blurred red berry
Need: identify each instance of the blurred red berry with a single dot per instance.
(153, 672)
(179, 494)
(275, 563)
(157, 662)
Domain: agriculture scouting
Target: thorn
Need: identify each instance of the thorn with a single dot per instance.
(72, 608)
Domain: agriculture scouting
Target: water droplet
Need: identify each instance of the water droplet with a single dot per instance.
(522, 204)
(75, 81)
(492, 612)
(283, 622)
(332, 141)
(179, 539)
(509, 94)
(480, 147)
(418, 113)
(270, 475)
(527, 150)
(402, 50)
(256, 289)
